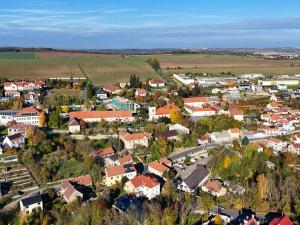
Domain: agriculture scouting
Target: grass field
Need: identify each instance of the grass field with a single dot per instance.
(103, 69)
(203, 63)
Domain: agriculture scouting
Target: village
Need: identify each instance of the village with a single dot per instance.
(129, 143)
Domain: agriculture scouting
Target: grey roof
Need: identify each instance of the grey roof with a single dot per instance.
(31, 200)
(166, 134)
(196, 177)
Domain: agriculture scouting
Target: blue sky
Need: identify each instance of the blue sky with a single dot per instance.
(95, 24)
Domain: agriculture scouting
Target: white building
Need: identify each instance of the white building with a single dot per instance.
(7, 116)
(164, 111)
(220, 137)
(184, 79)
(14, 141)
(207, 111)
(197, 102)
(31, 204)
(157, 83)
(143, 186)
(115, 174)
(179, 128)
(133, 140)
(29, 115)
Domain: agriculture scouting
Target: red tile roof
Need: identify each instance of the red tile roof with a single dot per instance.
(136, 136)
(195, 99)
(114, 171)
(204, 109)
(284, 220)
(165, 110)
(156, 81)
(104, 152)
(142, 180)
(21, 127)
(110, 88)
(158, 166)
(28, 110)
(100, 114)
(125, 159)
(83, 180)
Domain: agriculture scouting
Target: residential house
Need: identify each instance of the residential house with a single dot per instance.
(12, 94)
(194, 176)
(296, 138)
(236, 114)
(276, 98)
(111, 89)
(179, 128)
(276, 144)
(253, 134)
(123, 160)
(272, 90)
(158, 168)
(282, 87)
(142, 185)
(199, 102)
(104, 152)
(14, 141)
(74, 125)
(220, 137)
(164, 111)
(31, 204)
(205, 111)
(215, 188)
(251, 221)
(7, 116)
(75, 188)
(31, 97)
(204, 139)
(274, 106)
(294, 148)
(115, 174)
(133, 140)
(140, 92)
(234, 133)
(283, 220)
(23, 85)
(20, 129)
(97, 116)
(101, 94)
(124, 104)
(28, 115)
(157, 83)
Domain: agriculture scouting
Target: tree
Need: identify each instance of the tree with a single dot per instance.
(42, 119)
(218, 220)
(175, 116)
(54, 119)
(227, 162)
(262, 185)
(154, 63)
(163, 146)
(245, 141)
(169, 217)
(117, 144)
(65, 109)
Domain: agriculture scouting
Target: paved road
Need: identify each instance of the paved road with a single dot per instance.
(202, 149)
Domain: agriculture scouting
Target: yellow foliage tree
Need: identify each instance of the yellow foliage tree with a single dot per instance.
(175, 116)
(262, 184)
(64, 109)
(227, 162)
(42, 119)
(163, 146)
(218, 220)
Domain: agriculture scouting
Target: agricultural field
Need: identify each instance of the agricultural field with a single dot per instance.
(101, 69)
(204, 63)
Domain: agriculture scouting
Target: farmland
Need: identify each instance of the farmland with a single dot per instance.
(203, 63)
(102, 69)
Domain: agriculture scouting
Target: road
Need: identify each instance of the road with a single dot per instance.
(232, 213)
(202, 149)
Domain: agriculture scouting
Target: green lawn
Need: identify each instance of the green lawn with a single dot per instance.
(70, 168)
(17, 55)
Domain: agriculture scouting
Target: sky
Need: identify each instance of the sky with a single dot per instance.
(115, 24)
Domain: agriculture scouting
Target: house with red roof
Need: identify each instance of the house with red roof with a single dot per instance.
(158, 168)
(28, 115)
(104, 152)
(111, 89)
(284, 220)
(157, 83)
(123, 160)
(97, 116)
(135, 139)
(76, 188)
(23, 85)
(74, 125)
(236, 114)
(15, 128)
(200, 101)
(251, 221)
(14, 141)
(115, 174)
(164, 111)
(140, 92)
(203, 111)
(142, 185)
(274, 106)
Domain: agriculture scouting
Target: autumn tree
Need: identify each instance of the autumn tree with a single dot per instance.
(42, 119)
(163, 146)
(175, 116)
(218, 220)
(227, 162)
(262, 184)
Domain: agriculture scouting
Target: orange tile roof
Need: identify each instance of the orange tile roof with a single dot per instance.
(195, 99)
(156, 81)
(110, 88)
(235, 112)
(158, 166)
(142, 180)
(125, 159)
(275, 105)
(234, 130)
(165, 161)
(21, 127)
(100, 114)
(104, 152)
(83, 180)
(165, 110)
(213, 185)
(141, 91)
(114, 171)
(27, 110)
(136, 136)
